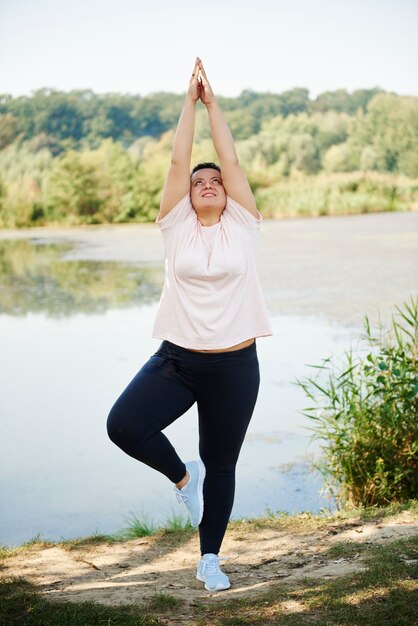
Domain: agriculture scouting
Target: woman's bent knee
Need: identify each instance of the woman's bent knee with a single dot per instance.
(118, 425)
(112, 426)
(126, 428)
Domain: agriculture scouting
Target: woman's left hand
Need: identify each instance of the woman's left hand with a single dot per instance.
(206, 94)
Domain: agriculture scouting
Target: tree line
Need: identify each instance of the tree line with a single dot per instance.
(83, 116)
(80, 157)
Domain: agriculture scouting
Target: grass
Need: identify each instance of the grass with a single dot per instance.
(20, 605)
(382, 594)
(345, 550)
(177, 522)
(308, 521)
(143, 527)
(163, 602)
(386, 592)
(177, 527)
(138, 527)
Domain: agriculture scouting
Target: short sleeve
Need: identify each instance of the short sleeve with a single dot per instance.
(178, 214)
(239, 214)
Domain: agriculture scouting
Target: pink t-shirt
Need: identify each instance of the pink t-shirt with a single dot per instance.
(212, 297)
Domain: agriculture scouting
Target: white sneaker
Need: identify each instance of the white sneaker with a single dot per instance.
(192, 492)
(209, 572)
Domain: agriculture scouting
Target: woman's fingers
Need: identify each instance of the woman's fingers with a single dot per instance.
(197, 67)
(194, 84)
(205, 81)
(207, 96)
(202, 71)
(195, 70)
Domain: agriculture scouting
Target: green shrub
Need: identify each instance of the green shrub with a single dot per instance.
(335, 194)
(366, 413)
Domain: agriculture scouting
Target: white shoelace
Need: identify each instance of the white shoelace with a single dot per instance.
(181, 497)
(211, 567)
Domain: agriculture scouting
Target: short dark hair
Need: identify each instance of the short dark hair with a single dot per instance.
(206, 165)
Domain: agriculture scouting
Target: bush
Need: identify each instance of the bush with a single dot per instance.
(366, 412)
(335, 194)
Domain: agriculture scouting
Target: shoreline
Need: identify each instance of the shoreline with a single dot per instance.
(24, 232)
(281, 518)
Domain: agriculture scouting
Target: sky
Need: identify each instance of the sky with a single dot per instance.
(148, 46)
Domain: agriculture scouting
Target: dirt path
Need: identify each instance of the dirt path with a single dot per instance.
(133, 571)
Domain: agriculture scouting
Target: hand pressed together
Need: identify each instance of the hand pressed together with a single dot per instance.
(199, 87)
(206, 94)
(194, 85)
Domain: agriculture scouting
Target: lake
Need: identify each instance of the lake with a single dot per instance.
(76, 313)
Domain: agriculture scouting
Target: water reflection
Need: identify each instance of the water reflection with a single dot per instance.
(36, 277)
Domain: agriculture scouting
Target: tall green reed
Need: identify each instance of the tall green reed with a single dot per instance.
(142, 526)
(365, 411)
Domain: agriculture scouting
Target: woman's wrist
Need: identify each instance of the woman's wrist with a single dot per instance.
(212, 104)
(190, 100)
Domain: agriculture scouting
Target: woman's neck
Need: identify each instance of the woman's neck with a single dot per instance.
(209, 218)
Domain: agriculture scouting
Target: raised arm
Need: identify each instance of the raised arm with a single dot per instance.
(233, 178)
(177, 183)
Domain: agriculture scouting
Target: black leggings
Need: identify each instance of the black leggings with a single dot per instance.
(225, 387)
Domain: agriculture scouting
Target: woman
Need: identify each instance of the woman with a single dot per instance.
(210, 312)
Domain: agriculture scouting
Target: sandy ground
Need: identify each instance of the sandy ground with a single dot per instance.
(337, 268)
(131, 572)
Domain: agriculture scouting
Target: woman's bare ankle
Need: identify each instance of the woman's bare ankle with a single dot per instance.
(183, 481)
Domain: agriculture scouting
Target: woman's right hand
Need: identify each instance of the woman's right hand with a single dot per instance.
(206, 94)
(194, 85)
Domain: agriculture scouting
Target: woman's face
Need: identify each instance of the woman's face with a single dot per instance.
(207, 190)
